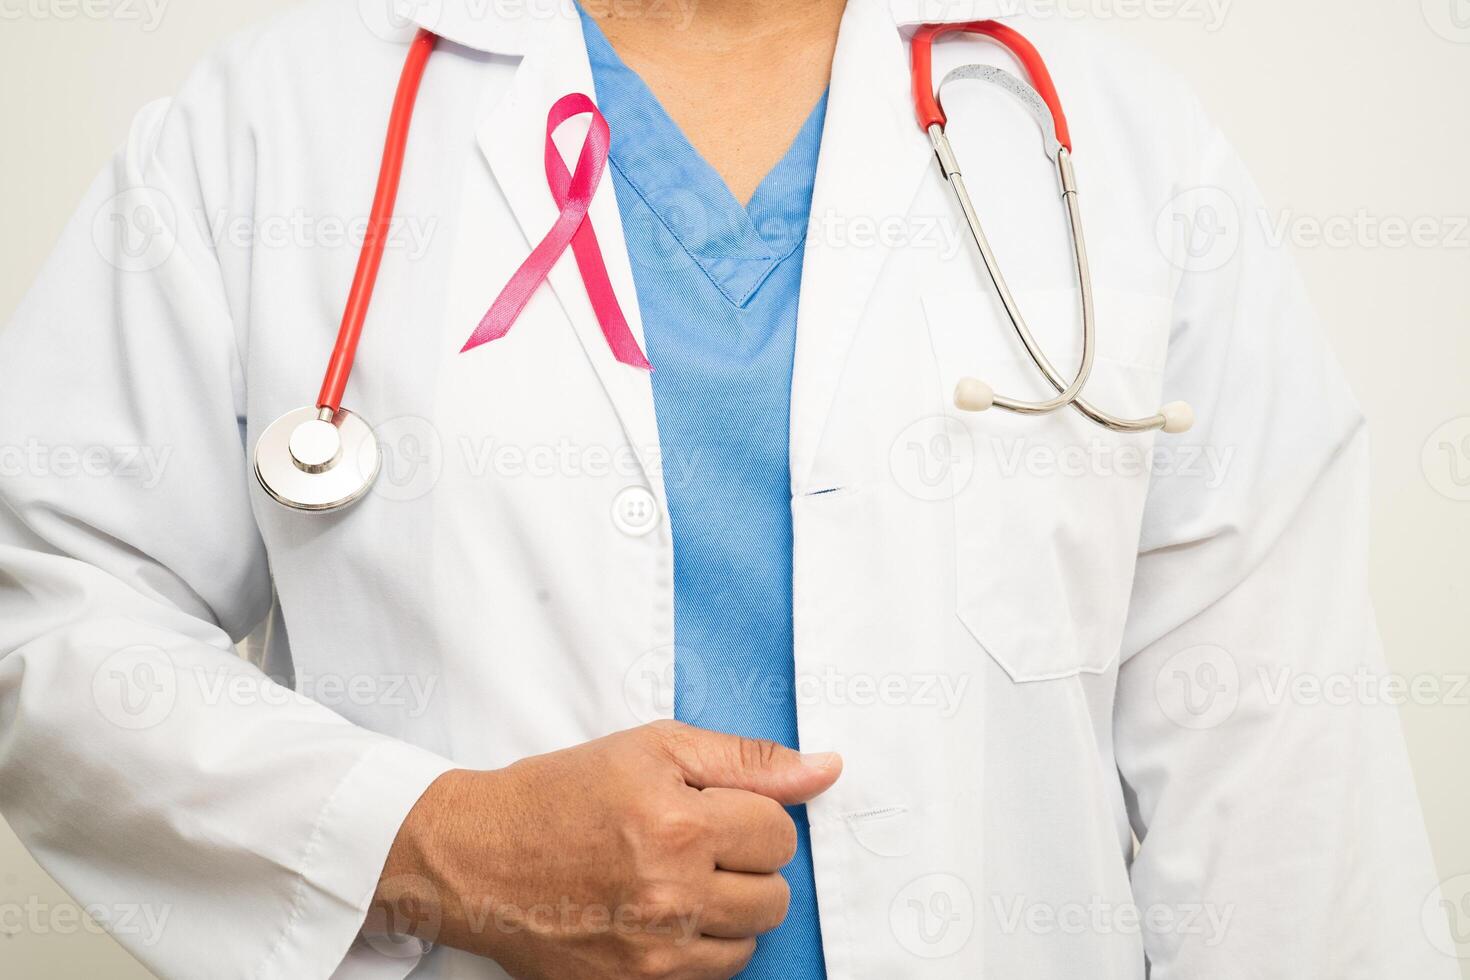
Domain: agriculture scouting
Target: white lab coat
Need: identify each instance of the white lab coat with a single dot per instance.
(1028, 648)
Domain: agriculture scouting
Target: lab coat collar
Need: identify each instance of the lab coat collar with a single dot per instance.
(510, 26)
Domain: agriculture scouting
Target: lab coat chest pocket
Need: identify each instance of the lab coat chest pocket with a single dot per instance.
(1047, 509)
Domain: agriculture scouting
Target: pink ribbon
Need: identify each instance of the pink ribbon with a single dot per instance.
(572, 193)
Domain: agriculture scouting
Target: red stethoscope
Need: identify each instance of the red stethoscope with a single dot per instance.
(325, 458)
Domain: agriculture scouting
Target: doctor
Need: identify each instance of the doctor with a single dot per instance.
(770, 661)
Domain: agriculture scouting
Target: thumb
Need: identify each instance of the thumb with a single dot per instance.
(709, 760)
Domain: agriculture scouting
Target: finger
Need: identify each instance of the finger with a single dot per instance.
(709, 759)
(751, 832)
(742, 906)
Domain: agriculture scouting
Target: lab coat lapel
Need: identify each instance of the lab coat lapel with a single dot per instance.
(872, 158)
(512, 138)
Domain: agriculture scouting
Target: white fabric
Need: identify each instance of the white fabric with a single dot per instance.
(994, 641)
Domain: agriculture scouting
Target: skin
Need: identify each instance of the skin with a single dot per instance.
(653, 854)
(740, 77)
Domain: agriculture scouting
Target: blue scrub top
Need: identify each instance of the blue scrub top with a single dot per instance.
(717, 288)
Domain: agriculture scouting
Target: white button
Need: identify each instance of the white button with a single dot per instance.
(635, 511)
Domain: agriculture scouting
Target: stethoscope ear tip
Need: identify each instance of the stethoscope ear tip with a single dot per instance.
(1178, 417)
(973, 395)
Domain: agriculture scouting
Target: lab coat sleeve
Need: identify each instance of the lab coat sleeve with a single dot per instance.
(221, 825)
(1256, 728)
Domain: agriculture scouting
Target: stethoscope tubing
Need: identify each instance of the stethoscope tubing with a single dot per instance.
(380, 222)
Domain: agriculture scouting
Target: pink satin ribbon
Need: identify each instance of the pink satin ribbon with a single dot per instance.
(572, 193)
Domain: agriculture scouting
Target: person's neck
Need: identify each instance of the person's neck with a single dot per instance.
(738, 76)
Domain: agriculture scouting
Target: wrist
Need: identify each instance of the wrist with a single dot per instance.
(416, 893)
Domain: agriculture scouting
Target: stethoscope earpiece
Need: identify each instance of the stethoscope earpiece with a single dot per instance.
(1178, 417)
(973, 395)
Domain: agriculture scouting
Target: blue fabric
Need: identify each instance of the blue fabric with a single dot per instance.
(717, 288)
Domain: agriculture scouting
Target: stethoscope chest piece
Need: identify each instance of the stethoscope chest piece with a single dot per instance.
(317, 459)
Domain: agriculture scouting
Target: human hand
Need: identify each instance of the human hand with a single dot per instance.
(652, 853)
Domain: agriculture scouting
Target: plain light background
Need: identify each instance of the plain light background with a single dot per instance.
(1353, 115)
